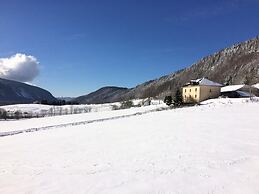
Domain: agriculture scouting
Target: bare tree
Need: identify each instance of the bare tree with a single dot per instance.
(17, 114)
(3, 114)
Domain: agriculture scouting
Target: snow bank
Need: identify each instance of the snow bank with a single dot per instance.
(229, 101)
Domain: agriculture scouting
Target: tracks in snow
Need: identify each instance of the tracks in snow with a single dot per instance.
(16, 132)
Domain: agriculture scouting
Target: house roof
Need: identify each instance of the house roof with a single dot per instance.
(231, 88)
(205, 82)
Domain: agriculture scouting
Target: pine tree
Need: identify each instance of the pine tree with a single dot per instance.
(178, 99)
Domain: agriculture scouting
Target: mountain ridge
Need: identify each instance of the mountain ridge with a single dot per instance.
(103, 95)
(236, 64)
(13, 92)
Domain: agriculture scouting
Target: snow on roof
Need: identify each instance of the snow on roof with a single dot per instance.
(256, 85)
(231, 88)
(205, 82)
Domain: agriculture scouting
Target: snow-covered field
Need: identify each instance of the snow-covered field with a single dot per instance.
(212, 148)
(38, 109)
(16, 125)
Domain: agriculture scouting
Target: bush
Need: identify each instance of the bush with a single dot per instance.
(115, 107)
(168, 100)
(126, 104)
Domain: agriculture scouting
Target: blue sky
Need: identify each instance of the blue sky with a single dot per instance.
(84, 45)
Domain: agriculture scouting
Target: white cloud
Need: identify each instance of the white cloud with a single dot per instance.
(19, 67)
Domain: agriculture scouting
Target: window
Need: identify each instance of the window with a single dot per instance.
(195, 96)
(190, 90)
(195, 89)
(185, 90)
(185, 96)
(210, 90)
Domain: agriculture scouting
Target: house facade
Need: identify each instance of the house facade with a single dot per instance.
(199, 90)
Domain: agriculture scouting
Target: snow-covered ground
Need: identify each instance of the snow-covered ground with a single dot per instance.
(14, 125)
(212, 148)
(35, 109)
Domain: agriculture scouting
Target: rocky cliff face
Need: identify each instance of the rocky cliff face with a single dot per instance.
(235, 65)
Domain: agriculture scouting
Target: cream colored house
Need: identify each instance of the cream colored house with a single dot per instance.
(200, 90)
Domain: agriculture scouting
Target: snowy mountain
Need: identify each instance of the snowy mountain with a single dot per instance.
(103, 95)
(13, 92)
(237, 64)
(67, 99)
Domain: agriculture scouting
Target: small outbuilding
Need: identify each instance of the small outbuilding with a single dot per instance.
(199, 90)
(236, 91)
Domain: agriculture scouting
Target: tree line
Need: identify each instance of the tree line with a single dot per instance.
(176, 100)
(57, 102)
(52, 111)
